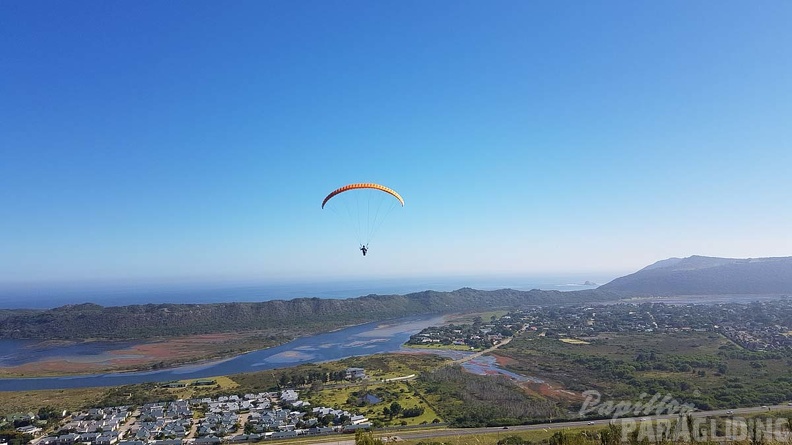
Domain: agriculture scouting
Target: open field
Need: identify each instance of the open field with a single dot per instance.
(379, 367)
(574, 341)
(351, 398)
(443, 435)
(485, 316)
(536, 436)
(61, 399)
(223, 383)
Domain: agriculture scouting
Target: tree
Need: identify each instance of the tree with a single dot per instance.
(395, 409)
(14, 437)
(326, 420)
(412, 412)
(47, 413)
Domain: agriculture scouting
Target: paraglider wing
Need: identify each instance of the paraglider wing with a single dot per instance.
(364, 207)
(364, 185)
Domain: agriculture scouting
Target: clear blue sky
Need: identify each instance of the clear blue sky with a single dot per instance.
(151, 140)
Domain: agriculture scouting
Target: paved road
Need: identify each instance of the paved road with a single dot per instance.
(480, 353)
(123, 430)
(459, 432)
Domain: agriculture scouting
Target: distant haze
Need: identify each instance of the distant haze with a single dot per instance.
(674, 276)
(42, 296)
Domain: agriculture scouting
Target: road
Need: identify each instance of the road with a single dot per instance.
(459, 432)
(480, 353)
(123, 430)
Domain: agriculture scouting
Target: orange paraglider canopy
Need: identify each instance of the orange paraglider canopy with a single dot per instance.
(363, 185)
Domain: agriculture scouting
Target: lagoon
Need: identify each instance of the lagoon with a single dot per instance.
(370, 338)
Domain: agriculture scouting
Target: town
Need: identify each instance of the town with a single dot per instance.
(205, 421)
(760, 326)
(475, 336)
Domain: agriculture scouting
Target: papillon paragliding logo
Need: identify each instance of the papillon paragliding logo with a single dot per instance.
(364, 207)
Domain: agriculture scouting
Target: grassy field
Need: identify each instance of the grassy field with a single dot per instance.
(388, 366)
(380, 367)
(452, 437)
(61, 399)
(350, 398)
(485, 316)
(223, 383)
(535, 436)
(574, 341)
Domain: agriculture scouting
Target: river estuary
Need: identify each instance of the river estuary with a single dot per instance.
(371, 338)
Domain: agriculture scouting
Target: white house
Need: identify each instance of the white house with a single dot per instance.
(355, 373)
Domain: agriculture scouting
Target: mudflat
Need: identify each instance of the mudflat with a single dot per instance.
(147, 355)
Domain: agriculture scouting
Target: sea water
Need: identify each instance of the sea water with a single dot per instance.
(51, 295)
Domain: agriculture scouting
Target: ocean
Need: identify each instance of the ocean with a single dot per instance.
(51, 295)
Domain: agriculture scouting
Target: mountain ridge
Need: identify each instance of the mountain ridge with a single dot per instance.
(306, 315)
(694, 275)
(702, 275)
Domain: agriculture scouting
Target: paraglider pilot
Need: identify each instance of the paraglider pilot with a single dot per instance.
(364, 249)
